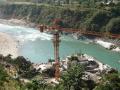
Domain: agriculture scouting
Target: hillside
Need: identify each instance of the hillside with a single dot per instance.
(100, 18)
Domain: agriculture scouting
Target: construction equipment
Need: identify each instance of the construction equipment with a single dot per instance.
(56, 29)
(56, 41)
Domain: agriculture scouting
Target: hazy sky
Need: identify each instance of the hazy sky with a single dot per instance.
(2, 0)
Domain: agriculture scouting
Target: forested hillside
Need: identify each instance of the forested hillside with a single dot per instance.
(97, 17)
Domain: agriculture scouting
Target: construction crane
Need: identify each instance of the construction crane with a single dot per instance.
(56, 29)
(56, 41)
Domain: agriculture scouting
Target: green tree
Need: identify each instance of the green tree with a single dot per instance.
(98, 20)
(37, 85)
(114, 25)
(23, 66)
(72, 78)
(3, 75)
(110, 81)
(67, 1)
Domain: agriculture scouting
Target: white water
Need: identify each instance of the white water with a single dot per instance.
(24, 34)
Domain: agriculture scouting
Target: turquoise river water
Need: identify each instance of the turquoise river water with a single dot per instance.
(37, 47)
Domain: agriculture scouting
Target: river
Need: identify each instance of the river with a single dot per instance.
(38, 47)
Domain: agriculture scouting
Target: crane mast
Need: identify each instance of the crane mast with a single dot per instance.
(56, 41)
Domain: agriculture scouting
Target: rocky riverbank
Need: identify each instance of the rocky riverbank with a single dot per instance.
(108, 45)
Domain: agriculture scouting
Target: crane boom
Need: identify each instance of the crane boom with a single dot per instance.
(84, 32)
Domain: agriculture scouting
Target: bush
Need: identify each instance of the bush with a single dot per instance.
(3, 75)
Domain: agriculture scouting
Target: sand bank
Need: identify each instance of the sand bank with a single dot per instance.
(19, 22)
(8, 45)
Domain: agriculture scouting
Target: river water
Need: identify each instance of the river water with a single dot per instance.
(38, 47)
